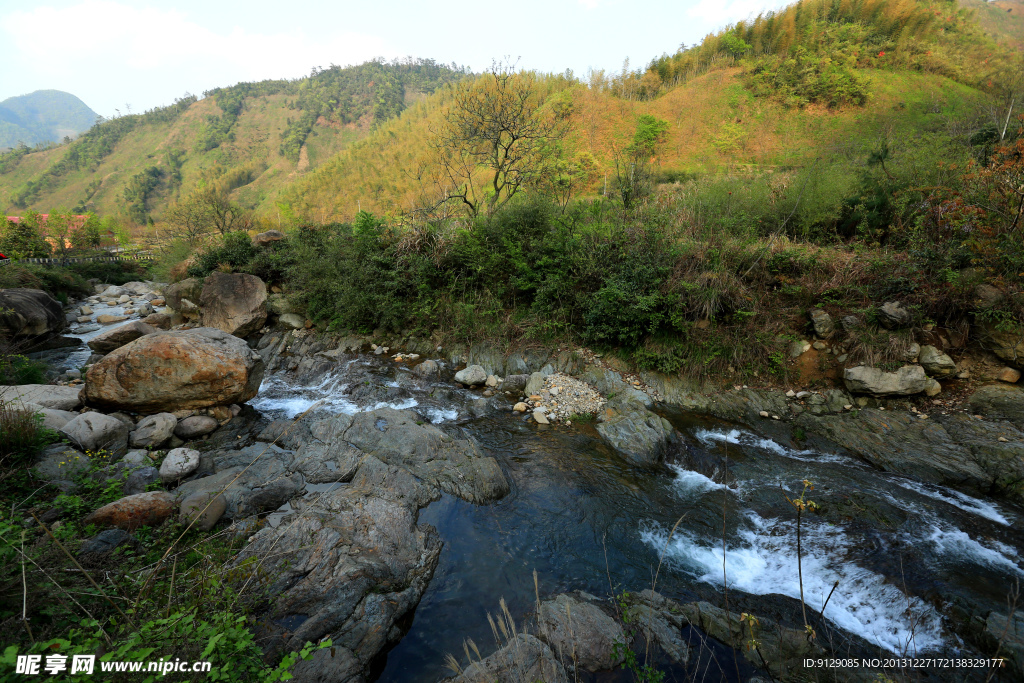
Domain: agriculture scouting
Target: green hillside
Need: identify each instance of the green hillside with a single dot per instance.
(45, 116)
(253, 138)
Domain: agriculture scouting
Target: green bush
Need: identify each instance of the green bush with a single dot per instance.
(22, 433)
(16, 369)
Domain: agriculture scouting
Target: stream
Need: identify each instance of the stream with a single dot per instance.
(900, 554)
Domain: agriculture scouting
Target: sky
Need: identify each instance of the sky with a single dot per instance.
(132, 55)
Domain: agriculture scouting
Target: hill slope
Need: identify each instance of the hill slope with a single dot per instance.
(43, 116)
(255, 137)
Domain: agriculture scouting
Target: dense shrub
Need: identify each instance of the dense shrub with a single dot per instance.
(22, 434)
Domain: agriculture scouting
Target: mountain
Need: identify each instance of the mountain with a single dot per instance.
(43, 116)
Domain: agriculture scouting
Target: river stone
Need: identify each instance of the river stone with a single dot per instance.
(1008, 374)
(635, 432)
(195, 427)
(153, 430)
(178, 464)
(139, 479)
(525, 658)
(132, 512)
(112, 292)
(52, 396)
(204, 508)
(176, 370)
(161, 321)
(539, 417)
(936, 363)
(95, 431)
(234, 302)
(471, 376)
(29, 313)
(105, 542)
(108, 319)
(136, 458)
(535, 384)
(799, 347)
(190, 289)
(910, 379)
(578, 628)
(892, 315)
(822, 322)
(292, 320)
(428, 368)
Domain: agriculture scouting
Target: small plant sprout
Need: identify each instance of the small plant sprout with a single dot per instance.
(802, 504)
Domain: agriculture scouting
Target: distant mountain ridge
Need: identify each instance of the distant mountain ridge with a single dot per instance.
(43, 116)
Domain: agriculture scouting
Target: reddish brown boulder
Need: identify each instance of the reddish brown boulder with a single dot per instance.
(119, 336)
(132, 512)
(161, 321)
(234, 302)
(175, 370)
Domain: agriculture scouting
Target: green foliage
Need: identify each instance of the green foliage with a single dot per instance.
(376, 89)
(22, 434)
(802, 78)
(17, 369)
(138, 190)
(236, 251)
(24, 239)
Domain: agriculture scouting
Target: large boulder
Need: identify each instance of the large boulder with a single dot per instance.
(119, 336)
(178, 464)
(893, 315)
(175, 370)
(96, 431)
(635, 432)
(29, 313)
(999, 401)
(234, 302)
(190, 289)
(910, 379)
(524, 658)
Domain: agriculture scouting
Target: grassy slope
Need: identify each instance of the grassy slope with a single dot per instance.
(716, 126)
(257, 140)
(1002, 20)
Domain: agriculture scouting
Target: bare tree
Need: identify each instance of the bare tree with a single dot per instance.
(496, 126)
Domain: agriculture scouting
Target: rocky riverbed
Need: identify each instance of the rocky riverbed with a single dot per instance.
(433, 496)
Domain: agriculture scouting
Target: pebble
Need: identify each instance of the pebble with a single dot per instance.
(763, 413)
(562, 397)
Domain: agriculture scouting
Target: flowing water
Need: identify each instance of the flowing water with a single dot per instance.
(889, 554)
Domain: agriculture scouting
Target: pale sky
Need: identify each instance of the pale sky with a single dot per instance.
(113, 53)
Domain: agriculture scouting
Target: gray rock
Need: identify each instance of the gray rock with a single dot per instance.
(96, 431)
(195, 427)
(515, 383)
(936, 363)
(139, 479)
(524, 659)
(30, 314)
(823, 325)
(367, 569)
(579, 628)
(204, 508)
(279, 304)
(106, 542)
(635, 432)
(999, 401)
(136, 458)
(539, 417)
(892, 315)
(253, 480)
(798, 348)
(910, 379)
(535, 384)
(60, 463)
(153, 430)
(471, 376)
(51, 396)
(852, 322)
(117, 337)
(178, 464)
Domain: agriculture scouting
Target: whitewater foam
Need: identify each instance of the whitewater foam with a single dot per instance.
(765, 562)
(960, 545)
(710, 437)
(955, 498)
